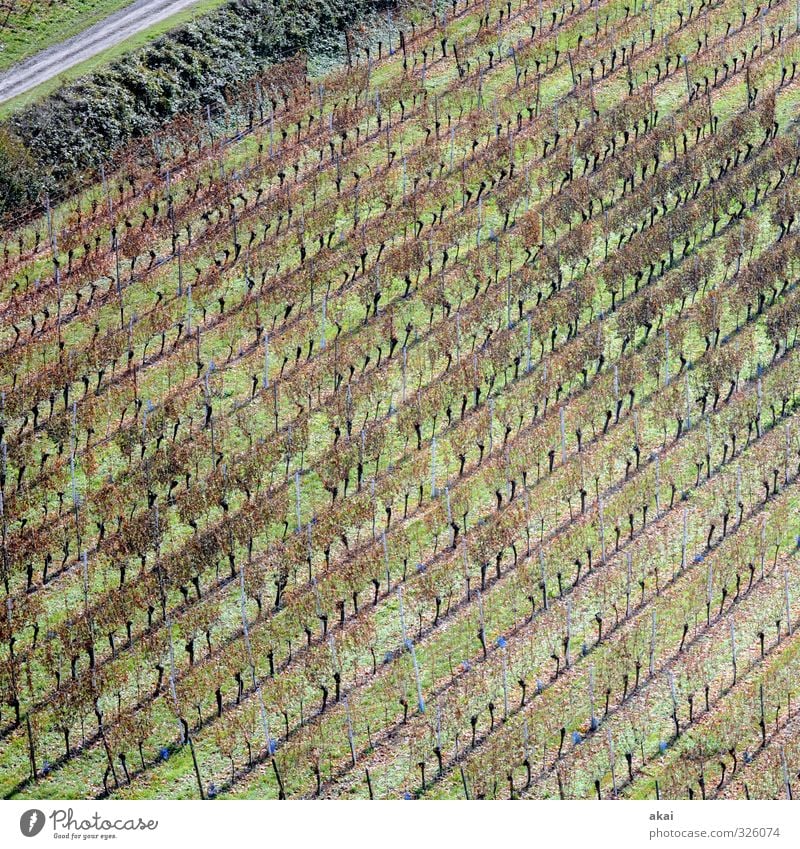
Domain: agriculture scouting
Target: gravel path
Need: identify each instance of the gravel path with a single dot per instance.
(114, 29)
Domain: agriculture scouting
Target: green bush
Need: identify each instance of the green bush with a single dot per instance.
(18, 184)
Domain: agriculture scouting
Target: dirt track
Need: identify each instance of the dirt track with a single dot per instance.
(112, 30)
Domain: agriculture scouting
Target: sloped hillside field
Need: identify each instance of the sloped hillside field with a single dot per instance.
(430, 429)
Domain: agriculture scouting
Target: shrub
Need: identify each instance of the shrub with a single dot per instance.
(17, 175)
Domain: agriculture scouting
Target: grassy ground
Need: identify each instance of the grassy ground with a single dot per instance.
(32, 27)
